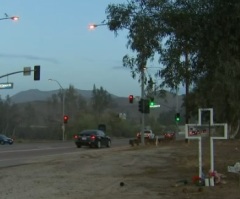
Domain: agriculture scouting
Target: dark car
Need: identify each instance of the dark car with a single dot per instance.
(170, 135)
(5, 140)
(92, 138)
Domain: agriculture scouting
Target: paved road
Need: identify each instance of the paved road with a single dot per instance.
(22, 153)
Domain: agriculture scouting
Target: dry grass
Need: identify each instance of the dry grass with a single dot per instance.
(150, 172)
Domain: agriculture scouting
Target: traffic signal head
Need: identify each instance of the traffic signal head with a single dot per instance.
(36, 73)
(130, 98)
(146, 106)
(143, 106)
(177, 117)
(151, 102)
(140, 105)
(65, 119)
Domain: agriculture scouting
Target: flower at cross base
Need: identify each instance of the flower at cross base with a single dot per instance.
(196, 180)
(212, 173)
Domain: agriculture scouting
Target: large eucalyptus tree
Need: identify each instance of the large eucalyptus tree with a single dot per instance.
(219, 49)
(144, 33)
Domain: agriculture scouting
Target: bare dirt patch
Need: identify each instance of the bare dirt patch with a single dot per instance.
(129, 172)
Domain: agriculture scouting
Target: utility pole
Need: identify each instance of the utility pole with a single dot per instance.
(142, 97)
(177, 107)
(187, 90)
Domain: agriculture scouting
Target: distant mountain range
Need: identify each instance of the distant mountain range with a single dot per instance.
(37, 95)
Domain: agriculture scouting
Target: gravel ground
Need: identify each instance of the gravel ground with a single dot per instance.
(129, 172)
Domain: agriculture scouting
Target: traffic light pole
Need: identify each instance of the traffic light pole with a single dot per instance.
(23, 71)
(63, 112)
(142, 97)
(11, 73)
(63, 107)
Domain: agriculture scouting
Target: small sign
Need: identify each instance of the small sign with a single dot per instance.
(6, 85)
(155, 106)
(122, 116)
(26, 71)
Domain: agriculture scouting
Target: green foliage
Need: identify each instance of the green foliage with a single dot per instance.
(10, 116)
(86, 122)
(30, 114)
(101, 99)
(143, 32)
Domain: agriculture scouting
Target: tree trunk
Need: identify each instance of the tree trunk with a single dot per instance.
(235, 132)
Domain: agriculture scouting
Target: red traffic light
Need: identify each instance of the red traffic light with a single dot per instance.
(130, 98)
(65, 119)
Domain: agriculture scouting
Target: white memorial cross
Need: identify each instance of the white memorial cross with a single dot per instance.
(199, 137)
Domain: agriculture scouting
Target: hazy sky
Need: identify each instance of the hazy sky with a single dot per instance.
(54, 34)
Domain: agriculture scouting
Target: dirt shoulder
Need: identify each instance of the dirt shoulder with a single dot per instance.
(129, 172)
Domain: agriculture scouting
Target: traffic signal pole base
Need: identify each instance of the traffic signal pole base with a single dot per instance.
(63, 132)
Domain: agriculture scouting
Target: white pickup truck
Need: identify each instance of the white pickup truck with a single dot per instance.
(147, 134)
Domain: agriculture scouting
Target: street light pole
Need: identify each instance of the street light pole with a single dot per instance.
(63, 107)
(14, 18)
(93, 26)
(142, 71)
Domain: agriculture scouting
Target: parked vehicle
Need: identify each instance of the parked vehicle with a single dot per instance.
(192, 132)
(148, 134)
(92, 138)
(170, 135)
(5, 140)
